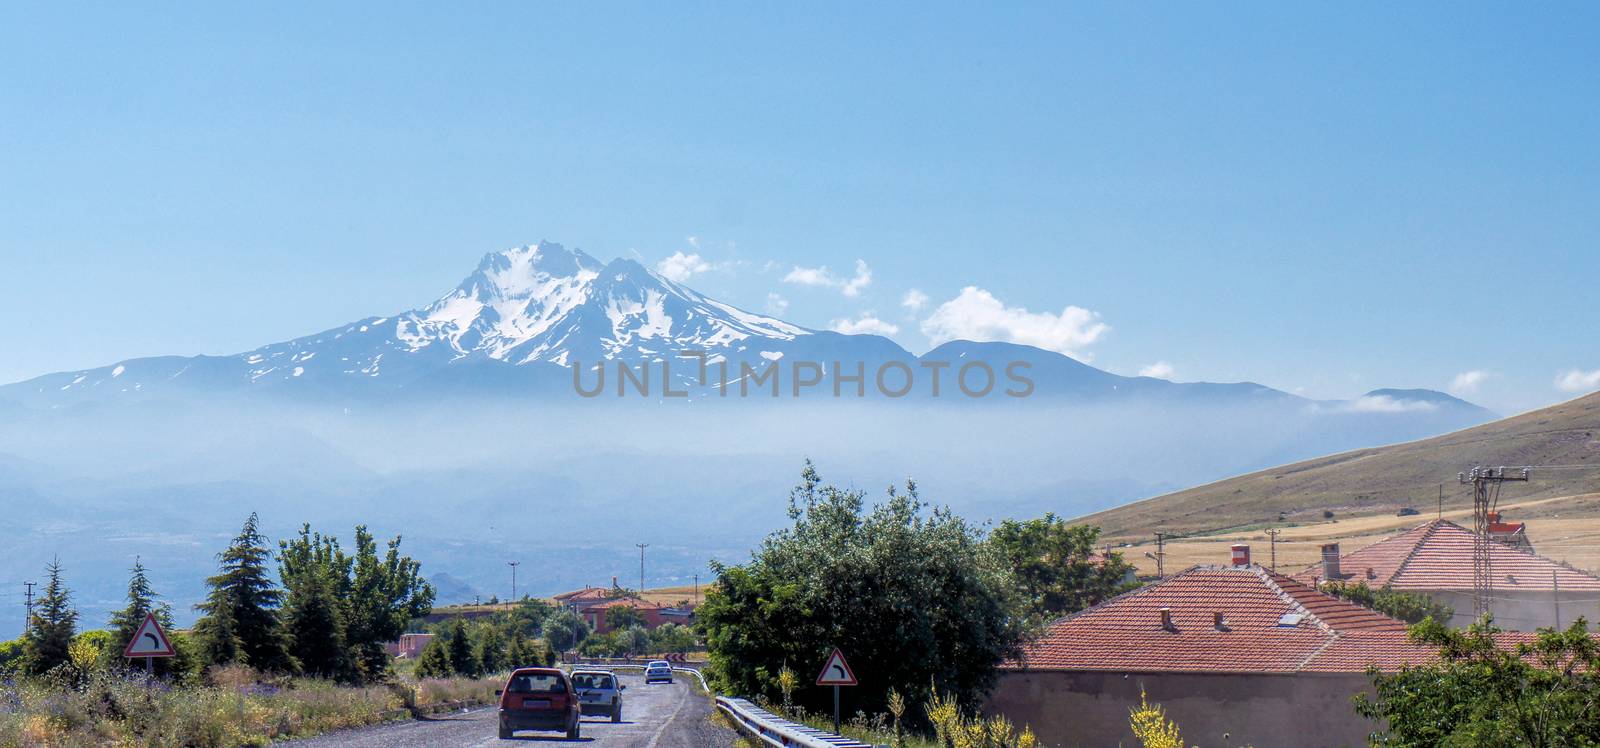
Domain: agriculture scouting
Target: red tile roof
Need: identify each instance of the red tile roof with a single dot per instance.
(587, 593)
(627, 602)
(1438, 556)
(1271, 624)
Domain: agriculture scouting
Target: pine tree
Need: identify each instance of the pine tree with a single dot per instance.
(125, 623)
(315, 624)
(463, 661)
(316, 575)
(434, 661)
(52, 626)
(518, 653)
(490, 649)
(241, 621)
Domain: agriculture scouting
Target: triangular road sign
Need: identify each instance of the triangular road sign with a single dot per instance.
(836, 672)
(149, 640)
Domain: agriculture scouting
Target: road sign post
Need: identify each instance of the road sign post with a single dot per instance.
(149, 641)
(836, 672)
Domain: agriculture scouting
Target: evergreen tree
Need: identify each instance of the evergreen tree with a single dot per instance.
(241, 621)
(490, 649)
(518, 653)
(48, 640)
(463, 661)
(316, 575)
(434, 662)
(125, 623)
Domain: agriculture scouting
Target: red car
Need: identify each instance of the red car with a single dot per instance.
(539, 698)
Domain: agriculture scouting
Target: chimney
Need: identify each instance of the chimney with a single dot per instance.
(1218, 621)
(613, 582)
(1166, 620)
(1330, 562)
(1241, 555)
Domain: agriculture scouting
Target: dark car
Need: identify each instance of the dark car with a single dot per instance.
(539, 698)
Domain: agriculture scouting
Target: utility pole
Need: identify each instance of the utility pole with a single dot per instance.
(1555, 581)
(513, 565)
(697, 589)
(1486, 483)
(1441, 501)
(1160, 555)
(1273, 533)
(642, 546)
(29, 620)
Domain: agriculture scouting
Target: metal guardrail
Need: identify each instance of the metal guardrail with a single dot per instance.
(761, 724)
(776, 731)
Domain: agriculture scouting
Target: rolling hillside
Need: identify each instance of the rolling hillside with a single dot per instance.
(1380, 480)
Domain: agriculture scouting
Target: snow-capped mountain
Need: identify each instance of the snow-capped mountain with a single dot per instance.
(525, 317)
(534, 308)
(548, 303)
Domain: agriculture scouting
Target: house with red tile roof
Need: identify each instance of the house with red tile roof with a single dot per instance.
(1237, 655)
(650, 612)
(1435, 559)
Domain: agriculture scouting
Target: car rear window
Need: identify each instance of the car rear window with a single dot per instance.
(591, 680)
(536, 683)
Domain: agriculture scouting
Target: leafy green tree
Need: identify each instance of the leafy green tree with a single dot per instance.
(48, 639)
(1410, 607)
(489, 648)
(1543, 693)
(434, 660)
(672, 637)
(912, 589)
(1055, 565)
(564, 629)
(619, 617)
(385, 594)
(240, 621)
(632, 640)
(528, 616)
(315, 574)
(11, 654)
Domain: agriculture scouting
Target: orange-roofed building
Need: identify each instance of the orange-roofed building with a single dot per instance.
(1435, 559)
(648, 611)
(1235, 650)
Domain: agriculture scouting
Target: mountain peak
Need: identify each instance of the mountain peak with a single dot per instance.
(520, 272)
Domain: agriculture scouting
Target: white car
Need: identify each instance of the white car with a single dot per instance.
(598, 693)
(658, 671)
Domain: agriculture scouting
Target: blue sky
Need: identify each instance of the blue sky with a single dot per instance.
(1325, 199)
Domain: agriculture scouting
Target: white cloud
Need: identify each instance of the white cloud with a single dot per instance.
(822, 277)
(1159, 370)
(818, 276)
(776, 304)
(868, 324)
(977, 315)
(1386, 404)
(914, 300)
(1467, 382)
(1578, 380)
(680, 267)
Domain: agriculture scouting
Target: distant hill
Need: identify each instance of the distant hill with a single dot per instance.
(1382, 479)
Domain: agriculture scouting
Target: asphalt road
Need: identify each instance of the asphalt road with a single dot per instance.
(654, 716)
